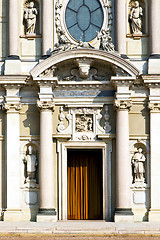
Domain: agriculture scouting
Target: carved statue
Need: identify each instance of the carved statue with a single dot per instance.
(31, 163)
(138, 160)
(30, 14)
(105, 41)
(136, 19)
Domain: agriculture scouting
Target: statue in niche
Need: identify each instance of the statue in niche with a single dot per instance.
(136, 19)
(31, 163)
(30, 15)
(138, 161)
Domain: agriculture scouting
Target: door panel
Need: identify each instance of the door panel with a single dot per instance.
(85, 184)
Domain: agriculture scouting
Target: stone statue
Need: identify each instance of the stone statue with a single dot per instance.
(30, 14)
(31, 162)
(136, 19)
(105, 41)
(138, 160)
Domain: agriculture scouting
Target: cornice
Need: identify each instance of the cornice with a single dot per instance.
(6, 80)
(151, 80)
(122, 80)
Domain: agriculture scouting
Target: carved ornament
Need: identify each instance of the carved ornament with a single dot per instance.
(122, 104)
(84, 65)
(48, 72)
(107, 126)
(46, 105)
(12, 107)
(64, 43)
(154, 107)
(84, 123)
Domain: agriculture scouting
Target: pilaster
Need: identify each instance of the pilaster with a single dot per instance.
(154, 60)
(120, 13)
(153, 83)
(13, 29)
(47, 27)
(12, 106)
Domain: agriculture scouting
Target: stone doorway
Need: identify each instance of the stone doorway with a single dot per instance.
(85, 184)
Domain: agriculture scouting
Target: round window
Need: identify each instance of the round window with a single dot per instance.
(84, 18)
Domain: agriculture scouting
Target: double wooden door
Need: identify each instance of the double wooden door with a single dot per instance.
(85, 196)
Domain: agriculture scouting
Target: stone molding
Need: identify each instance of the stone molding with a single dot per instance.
(151, 80)
(154, 107)
(123, 80)
(46, 105)
(123, 104)
(12, 107)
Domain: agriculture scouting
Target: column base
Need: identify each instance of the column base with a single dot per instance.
(124, 215)
(46, 215)
(13, 215)
(154, 215)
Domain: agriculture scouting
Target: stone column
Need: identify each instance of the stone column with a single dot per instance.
(47, 211)
(154, 29)
(12, 106)
(123, 167)
(47, 27)
(13, 29)
(120, 23)
(154, 213)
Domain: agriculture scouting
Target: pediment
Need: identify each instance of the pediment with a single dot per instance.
(84, 64)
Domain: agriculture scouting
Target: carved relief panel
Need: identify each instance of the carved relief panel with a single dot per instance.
(84, 123)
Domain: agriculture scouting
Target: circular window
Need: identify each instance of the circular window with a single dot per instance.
(84, 18)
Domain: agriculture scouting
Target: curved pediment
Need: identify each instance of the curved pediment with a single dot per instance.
(83, 59)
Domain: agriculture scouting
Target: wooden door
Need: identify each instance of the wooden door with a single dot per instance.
(85, 185)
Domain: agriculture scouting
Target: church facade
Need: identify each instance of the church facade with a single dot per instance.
(80, 110)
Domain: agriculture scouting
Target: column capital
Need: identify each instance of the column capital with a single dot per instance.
(154, 107)
(122, 104)
(12, 107)
(45, 105)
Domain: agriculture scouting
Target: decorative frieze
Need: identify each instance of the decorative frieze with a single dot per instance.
(45, 105)
(122, 104)
(154, 107)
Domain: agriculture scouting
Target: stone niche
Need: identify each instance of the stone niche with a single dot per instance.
(140, 186)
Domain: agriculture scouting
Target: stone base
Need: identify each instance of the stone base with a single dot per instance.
(12, 66)
(154, 215)
(46, 215)
(124, 215)
(140, 215)
(46, 218)
(153, 66)
(13, 216)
